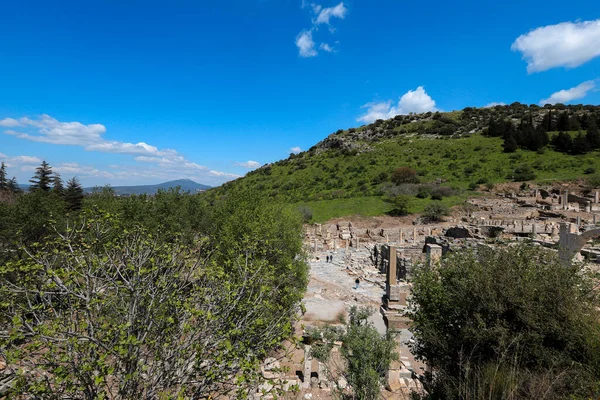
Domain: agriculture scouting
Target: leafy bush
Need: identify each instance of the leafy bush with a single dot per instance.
(523, 173)
(435, 212)
(404, 175)
(400, 204)
(507, 323)
(366, 354)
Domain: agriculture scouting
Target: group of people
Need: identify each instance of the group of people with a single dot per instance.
(329, 258)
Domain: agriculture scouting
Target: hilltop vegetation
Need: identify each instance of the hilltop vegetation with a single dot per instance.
(454, 150)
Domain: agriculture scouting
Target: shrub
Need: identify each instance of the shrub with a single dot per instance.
(589, 171)
(473, 186)
(435, 212)
(523, 173)
(306, 214)
(442, 191)
(404, 175)
(507, 323)
(594, 181)
(399, 203)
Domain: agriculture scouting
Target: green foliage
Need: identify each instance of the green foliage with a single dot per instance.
(399, 203)
(514, 310)
(132, 302)
(42, 178)
(306, 214)
(367, 355)
(404, 175)
(73, 194)
(522, 173)
(435, 212)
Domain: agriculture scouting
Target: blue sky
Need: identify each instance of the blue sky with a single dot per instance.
(132, 92)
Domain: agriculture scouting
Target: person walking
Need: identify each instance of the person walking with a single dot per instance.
(357, 282)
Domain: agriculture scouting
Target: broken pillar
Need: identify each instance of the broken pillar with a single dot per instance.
(434, 254)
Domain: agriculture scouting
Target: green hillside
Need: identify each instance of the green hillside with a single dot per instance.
(351, 170)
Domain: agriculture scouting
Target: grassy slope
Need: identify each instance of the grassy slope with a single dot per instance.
(336, 183)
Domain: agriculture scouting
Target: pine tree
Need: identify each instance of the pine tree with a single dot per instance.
(562, 142)
(563, 121)
(593, 134)
(3, 180)
(13, 186)
(42, 178)
(74, 195)
(58, 186)
(510, 144)
(580, 144)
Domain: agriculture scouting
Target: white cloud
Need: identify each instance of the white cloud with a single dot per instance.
(494, 104)
(565, 96)
(304, 40)
(20, 161)
(248, 164)
(326, 47)
(413, 101)
(566, 44)
(169, 163)
(295, 149)
(326, 14)
(305, 44)
(9, 123)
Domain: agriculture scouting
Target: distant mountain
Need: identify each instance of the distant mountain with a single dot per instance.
(186, 185)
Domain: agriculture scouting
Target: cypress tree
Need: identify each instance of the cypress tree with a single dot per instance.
(593, 134)
(510, 144)
(563, 121)
(13, 186)
(74, 195)
(3, 180)
(58, 186)
(42, 178)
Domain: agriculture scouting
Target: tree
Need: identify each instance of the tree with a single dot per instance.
(366, 354)
(42, 178)
(74, 194)
(562, 142)
(404, 175)
(14, 186)
(523, 173)
(507, 322)
(57, 184)
(3, 180)
(435, 212)
(593, 134)
(510, 144)
(399, 203)
(580, 144)
(122, 313)
(563, 121)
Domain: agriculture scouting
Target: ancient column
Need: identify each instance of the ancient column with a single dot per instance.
(400, 238)
(565, 200)
(578, 220)
(415, 234)
(588, 206)
(533, 231)
(596, 197)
